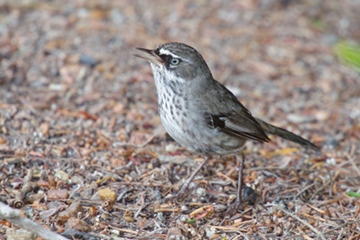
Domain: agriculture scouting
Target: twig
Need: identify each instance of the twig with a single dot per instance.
(240, 235)
(302, 221)
(157, 132)
(342, 225)
(17, 217)
(303, 190)
(351, 159)
(124, 230)
(340, 234)
(320, 189)
(27, 187)
(142, 199)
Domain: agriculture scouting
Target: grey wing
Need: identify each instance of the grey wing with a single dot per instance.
(225, 112)
(240, 124)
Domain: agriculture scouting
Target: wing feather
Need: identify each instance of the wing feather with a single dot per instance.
(239, 124)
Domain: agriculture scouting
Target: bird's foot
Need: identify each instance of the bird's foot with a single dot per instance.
(232, 209)
(248, 195)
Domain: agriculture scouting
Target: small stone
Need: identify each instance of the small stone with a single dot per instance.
(175, 234)
(19, 234)
(171, 147)
(71, 211)
(201, 192)
(107, 194)
(294, 118)
(184, 208)
(57, 194)
(77, 224)
(88, 60)
(61, 175)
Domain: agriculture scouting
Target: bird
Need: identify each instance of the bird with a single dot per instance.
(201, 114)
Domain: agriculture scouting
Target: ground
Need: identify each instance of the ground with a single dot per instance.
(82, 150)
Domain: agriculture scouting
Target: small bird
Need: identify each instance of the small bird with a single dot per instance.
(200, 113)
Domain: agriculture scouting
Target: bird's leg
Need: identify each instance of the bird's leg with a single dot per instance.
(184, 187)
(240, 177)
(234, 206)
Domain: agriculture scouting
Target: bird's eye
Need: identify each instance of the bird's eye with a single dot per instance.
(174, 61)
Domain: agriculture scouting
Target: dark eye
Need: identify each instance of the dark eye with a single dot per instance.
(174, 61)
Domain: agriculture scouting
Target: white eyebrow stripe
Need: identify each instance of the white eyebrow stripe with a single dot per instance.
(167, 52)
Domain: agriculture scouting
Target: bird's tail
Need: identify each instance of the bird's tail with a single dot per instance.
(286, 134)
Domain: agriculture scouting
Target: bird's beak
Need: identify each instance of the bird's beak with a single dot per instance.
(149, 55)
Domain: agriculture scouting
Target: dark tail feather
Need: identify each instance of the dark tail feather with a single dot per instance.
(286, 134)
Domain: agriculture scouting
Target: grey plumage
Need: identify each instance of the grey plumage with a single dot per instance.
(199, 112)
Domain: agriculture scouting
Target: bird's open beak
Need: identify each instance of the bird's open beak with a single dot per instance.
(149, 55)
